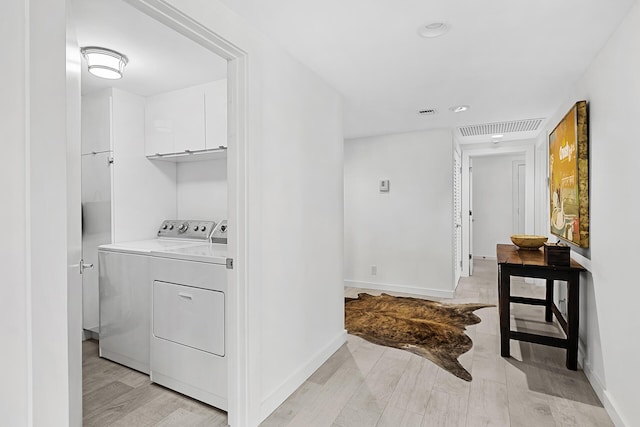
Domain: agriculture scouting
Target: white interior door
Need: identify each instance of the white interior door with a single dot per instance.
(457, 216)
(74, 233)
(470, 217)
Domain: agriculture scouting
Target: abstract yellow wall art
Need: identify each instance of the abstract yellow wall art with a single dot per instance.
(569, 177)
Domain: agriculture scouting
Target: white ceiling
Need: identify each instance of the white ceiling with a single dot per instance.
(509, 60)
(160, 59)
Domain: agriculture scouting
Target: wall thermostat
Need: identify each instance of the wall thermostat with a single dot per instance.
(384, 186)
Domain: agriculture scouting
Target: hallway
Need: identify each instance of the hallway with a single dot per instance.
(368, 385)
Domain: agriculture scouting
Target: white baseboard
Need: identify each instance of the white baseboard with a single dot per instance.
(437, 293)
(291, 384)
(89, 334)
(604, 396)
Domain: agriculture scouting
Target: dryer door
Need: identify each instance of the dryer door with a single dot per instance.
(189, 316)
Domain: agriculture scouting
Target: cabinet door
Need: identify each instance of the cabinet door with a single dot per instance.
(96, 122)
(216, 114)
(96, 228)
(174, 122)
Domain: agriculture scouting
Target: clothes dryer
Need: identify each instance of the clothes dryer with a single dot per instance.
(188, 321)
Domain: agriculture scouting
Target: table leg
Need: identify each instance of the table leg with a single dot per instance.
(503, 301)
(548, 313)
(499, 280)
(573, 314)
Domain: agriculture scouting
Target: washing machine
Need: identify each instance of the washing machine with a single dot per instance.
(188, 320)
(125, 290)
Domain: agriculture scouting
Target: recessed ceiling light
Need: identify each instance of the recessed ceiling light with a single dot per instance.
(459, 108)
(497, 136)
(433, 29)
(428, 112)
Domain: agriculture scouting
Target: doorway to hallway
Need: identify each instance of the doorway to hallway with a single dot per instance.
(497, 198)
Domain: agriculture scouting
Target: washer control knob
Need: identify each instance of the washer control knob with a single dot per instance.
(164, 227)
(196, 228)
(171, 227)
(204, 227)
(183, 227)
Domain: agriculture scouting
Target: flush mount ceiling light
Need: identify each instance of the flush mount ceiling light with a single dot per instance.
(459, 108)
(433, 29)
(105, 63)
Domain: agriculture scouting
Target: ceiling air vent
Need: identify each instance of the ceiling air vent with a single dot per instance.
(527, 125)
(428, 112)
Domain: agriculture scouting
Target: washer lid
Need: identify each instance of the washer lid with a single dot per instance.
(214, 253)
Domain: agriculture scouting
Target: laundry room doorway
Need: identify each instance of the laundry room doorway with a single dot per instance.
(113, 212)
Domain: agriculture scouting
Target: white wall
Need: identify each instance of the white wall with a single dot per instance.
(14, 306)
(294, 288)
(492, 202)
(541, 223)
(144, 191)
(302, 296)
(609, 293)
(406, 233)
(35, 356)
(201, 189)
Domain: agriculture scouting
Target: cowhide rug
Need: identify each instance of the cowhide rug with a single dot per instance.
(427, 328)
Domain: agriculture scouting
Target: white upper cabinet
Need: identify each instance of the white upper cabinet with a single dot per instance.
(215, 104)
(96, 122)
(188, 120)
(174, 122)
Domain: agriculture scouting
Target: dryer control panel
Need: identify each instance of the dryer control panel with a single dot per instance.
(220, 233)
(186, 229)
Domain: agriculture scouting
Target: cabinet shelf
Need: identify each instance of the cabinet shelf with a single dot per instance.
(191, 155)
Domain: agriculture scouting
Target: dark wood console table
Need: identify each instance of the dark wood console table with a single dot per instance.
(524, 263)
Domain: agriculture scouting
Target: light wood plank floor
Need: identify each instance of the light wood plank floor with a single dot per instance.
(364, 384)
(114, 395)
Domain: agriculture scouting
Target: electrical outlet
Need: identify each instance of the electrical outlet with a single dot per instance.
(374, 270)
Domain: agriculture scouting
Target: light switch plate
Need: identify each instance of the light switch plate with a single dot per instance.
(384, 186)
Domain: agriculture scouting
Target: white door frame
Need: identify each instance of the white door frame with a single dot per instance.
(457, 218)
(518, 175)
(74, 228)
(467, 154)
(162, 11)
(468, 197)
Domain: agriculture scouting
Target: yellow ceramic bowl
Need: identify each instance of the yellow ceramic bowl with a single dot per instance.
(528, 241)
